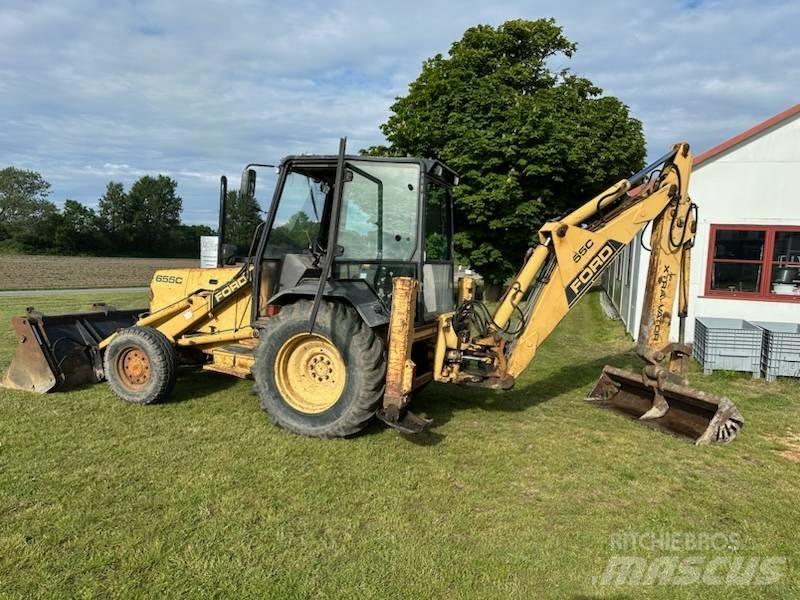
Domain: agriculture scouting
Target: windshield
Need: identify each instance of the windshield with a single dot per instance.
(297, 220)
(379, 211)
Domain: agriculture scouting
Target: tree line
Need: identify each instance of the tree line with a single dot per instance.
(144, 220)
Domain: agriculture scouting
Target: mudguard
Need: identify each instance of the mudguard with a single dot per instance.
(356, 292)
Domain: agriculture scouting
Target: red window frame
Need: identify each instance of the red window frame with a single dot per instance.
(764, 285)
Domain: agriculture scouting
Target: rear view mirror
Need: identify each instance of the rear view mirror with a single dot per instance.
(248, 185)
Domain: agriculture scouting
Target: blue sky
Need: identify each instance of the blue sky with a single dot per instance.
(94, 90)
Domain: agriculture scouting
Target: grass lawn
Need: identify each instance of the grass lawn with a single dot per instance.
(511, 494)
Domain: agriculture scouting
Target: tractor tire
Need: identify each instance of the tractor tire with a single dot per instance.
(325, 384)
(140, 365)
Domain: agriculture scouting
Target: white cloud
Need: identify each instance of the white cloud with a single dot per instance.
(91, 90)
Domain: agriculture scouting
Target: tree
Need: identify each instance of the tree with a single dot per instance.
(185, 240)
(242, 216)
(23, 201)
(157, 210)
(530, 142)
(78, 230)
(142, 220)
(117, 216)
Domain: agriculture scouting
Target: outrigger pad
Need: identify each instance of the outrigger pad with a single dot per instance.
(61, 351)
(702, 417)
(408, 423)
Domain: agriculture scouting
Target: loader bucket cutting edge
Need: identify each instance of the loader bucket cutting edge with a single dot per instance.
(60, 352)
(702, 417)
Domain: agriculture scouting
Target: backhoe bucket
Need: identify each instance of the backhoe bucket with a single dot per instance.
(61, 352)
(672, 408)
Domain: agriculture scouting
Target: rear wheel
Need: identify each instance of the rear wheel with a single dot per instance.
(140, 365)
(324, 384)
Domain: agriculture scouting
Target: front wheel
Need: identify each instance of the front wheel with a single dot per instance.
(140, 365)
(323, 384)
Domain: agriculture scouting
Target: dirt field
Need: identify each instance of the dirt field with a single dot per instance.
(60, 272)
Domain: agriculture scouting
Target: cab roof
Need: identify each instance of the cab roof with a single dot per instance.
(433, 167)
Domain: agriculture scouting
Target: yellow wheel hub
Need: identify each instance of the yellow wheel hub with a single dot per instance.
(310, 373)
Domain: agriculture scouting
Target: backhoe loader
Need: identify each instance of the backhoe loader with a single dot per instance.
(341, 304)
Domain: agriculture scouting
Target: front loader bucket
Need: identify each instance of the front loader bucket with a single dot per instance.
(60, 352)
(701, 417)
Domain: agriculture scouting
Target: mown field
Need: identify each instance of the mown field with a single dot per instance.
(516, 494)
(33, 272)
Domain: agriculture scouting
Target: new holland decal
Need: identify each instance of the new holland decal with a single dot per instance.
(593, 269)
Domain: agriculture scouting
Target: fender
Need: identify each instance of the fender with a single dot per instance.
(355, 292)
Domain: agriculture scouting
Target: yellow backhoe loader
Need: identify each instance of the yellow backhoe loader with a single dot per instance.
(341, 304)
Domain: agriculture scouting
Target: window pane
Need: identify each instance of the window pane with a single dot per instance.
(359, 223)
(365, 231)
(743, 245)
(787, 247)
(296, 226)
(785, 280)
(735, 277)
(437, 223)
(437, 288)
(377, 275)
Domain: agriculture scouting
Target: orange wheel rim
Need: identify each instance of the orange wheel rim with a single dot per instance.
(133, 368)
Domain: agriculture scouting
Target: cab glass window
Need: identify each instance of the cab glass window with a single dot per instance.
(379, 211)
(297, 220)
(438, 230)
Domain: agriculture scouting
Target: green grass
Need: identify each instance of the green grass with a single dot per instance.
(511, 494)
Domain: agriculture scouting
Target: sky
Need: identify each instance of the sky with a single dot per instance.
(99, 90)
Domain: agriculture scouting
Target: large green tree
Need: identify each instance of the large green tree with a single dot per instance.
(23, 201)
(158, 209)
(143, 219)
(531, 141)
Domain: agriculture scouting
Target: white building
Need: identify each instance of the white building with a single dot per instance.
(746, 259)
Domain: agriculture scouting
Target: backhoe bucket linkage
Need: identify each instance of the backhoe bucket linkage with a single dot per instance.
(672, 408)
(60, 352)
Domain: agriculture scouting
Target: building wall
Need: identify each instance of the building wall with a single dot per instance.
(753, 184)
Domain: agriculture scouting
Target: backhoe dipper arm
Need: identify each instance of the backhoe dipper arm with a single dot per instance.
(573, 253)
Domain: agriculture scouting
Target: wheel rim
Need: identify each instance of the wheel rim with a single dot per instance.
(133, 368)
(310, 373)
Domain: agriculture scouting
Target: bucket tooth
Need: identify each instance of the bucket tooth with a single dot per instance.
(676, 409)
(659, 408)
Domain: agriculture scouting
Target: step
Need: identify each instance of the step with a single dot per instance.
(234, 359)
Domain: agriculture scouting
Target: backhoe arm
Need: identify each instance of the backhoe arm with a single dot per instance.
(575, 251)
(474, 347)
(572, 254)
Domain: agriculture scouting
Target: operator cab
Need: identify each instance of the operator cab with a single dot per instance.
(394, 218)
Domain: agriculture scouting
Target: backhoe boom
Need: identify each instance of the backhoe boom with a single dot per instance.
(476, 348)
